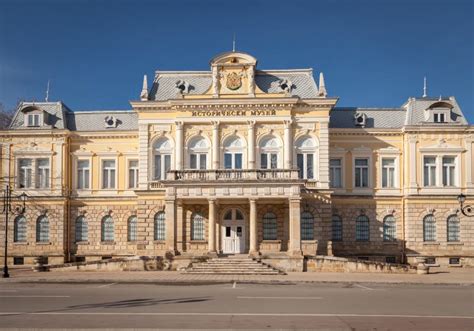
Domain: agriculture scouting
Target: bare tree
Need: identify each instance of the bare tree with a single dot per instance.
(5, 116)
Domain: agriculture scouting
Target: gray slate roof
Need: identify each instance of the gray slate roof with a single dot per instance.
(416, 110)
(376, 117)
(164, 85)
(95, 120)
(56, 115)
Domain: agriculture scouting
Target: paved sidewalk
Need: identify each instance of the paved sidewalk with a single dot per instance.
(461, 276)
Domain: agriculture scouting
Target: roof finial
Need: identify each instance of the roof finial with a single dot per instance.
(47, 92)
(144, 93)
(233, 43)
(424, 88)
(322, 86)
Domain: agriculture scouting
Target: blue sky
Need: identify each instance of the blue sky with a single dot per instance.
(373, 53)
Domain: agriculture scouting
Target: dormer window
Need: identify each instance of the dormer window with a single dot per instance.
(439, 112)
(33, 119)
(439, 118)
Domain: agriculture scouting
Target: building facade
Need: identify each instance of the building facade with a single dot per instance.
(237, 160)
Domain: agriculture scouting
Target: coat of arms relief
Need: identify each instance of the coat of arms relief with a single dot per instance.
(233, 80)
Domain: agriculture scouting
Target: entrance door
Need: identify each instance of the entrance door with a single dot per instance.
(233, 232)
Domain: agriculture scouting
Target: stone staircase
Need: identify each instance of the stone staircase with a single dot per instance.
(232, 265)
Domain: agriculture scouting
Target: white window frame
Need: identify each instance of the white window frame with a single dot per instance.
(269, 150)
(101, 175)
(233, 151)
(136, 171)
(363, 153)
(388, 153)
(361, 169)
(430, 167)
(331, 169)
(453, 181)
(154, 152)
(339, 153)
(31, 168)
(198, 151)
(34, 115)
(438, 188)
(305, 151)
(39, 169)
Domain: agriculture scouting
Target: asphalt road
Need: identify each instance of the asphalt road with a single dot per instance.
(309, 306)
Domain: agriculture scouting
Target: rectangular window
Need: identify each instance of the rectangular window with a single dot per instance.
(388, 173)
(162, 166)
(390, 259)
(228, 161)
(18, 260)
(42, 173)
(300, 164)
(309, 166)
(335, 172)
(25, 173)
(83, 172)
(133, 174)
(33, 120)
(202, 161)
(429, 171)
(273, 161)
(361, 172)
(430, 260)
(238, 160)
(193, 161)
(436, 118)
(454, 261)
(108, 174)
(263, 161)
(449, 170)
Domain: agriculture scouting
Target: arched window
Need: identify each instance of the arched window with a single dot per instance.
(82, 232)
(233, 152)
(132, 225)
(453, 228)
(160, 225)
(19, 229)
(197, 227)
(107, 229)
(307, 226)
(429, 228)
(162, 151)
(362, 228)
(336, 228)
(389, 228)
(270, 227)
(306, 157)
(238, 215)
(42, 229)
(270, 148)
(198, 150)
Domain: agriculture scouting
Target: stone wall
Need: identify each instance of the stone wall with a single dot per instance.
(337, 264)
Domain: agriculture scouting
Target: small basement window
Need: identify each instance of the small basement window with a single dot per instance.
(106, 257)
(430, 260)
(80, 259)
(363, 258)
(454, 261)
(390, 259)
(18, 260)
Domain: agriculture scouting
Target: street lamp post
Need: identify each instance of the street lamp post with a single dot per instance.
(467, 210)
(7, 208)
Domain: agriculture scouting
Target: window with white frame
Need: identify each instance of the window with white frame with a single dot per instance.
(233, 153)
(20, 229)
(108, 174)
(453, 228)
(132, 173)
(42, 229)
(449, 171)
(82, 231)
(132, 228)
(42, 173)
(335, 172)
(361, 172)
(429, 228)
(389, 228)
(83, 174)
(33, 119)
(439, 117)
(388, 173)
(305, 157)
(429, 171)
(160, 226)
(198, 153)
(269, 152)
(107, 229)
(197, 227)
(162, 150)
(25, 175)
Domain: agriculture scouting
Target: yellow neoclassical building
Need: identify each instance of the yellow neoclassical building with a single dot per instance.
(238, 160)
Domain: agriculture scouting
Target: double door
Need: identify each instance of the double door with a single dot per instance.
(233, 238)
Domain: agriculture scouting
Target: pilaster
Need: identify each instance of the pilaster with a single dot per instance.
(179, 145)
(295, 228)
(251, 143)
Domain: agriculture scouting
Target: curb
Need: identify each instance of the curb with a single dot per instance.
(227, 281)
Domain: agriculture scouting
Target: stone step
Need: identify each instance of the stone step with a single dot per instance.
(233, 269)
(233, 272)
(241, 265)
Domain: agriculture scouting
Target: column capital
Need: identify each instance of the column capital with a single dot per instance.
(253, 200)
(288, 123)
(179, 124)
(212, 200)
(251, 124)
(215, 124)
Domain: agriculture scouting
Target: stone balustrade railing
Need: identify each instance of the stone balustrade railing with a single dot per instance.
(232, 174)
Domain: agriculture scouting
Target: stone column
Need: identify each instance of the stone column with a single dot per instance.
(251, 145)
(253, 227)
(212, 226)
(215, 145)
(179, 146)
(295, 229)
(287, 148)
(170, 225)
